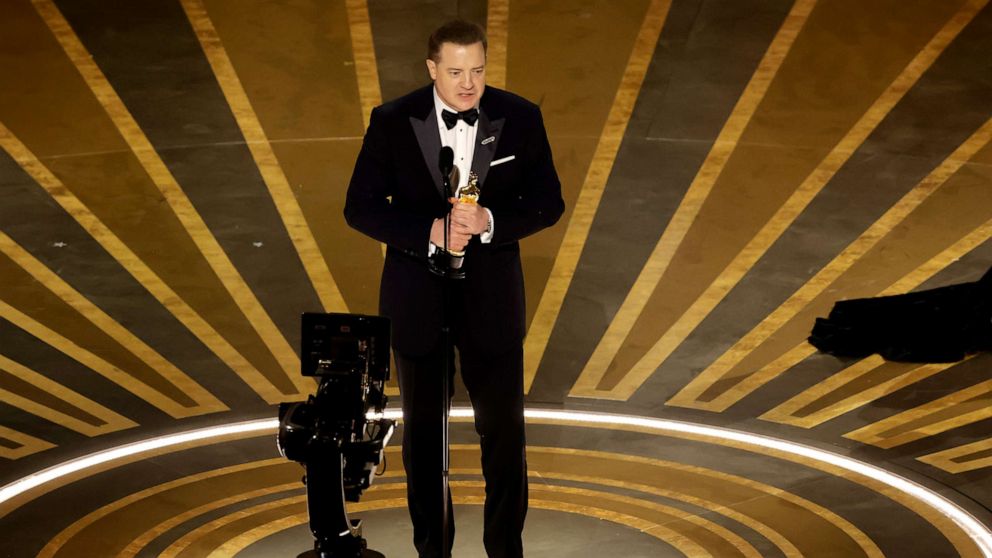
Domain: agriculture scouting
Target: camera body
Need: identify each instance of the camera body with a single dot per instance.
(349, 356)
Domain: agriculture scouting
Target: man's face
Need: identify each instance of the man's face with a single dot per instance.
(459, 74)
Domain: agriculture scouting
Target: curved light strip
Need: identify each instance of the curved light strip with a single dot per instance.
(120, 452)
(979, 533)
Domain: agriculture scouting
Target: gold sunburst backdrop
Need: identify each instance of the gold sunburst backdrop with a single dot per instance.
(173, 174)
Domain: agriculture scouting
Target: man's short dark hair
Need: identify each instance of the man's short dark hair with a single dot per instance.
(459, 32)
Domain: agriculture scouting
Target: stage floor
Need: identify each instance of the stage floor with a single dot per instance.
(599, 485)
(172, 178)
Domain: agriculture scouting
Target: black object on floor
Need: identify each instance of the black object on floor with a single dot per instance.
(937, 325)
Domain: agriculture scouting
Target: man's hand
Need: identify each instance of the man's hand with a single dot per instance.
(468, 218)
(457, 237)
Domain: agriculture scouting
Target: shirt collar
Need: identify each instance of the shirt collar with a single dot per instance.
(440, 105)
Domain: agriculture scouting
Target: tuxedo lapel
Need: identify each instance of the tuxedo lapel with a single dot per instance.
(486, 140)
(425, 127)
(429, 140)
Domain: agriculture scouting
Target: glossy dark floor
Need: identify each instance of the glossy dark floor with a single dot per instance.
(172, 175)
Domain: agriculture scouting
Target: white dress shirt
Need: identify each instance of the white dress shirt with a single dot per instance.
(461, 139)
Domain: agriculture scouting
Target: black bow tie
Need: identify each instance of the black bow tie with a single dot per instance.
(470, 116)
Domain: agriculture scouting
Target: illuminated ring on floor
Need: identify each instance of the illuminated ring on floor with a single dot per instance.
(979, 533)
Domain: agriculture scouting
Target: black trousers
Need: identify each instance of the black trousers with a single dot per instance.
(495, 386)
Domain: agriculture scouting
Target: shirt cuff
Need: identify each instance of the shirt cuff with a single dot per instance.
(487, 236)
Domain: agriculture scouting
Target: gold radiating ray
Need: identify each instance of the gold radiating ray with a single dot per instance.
(591, 192)
(497, 29)
(174, 195)
(268, 166)
(94, 362)
(803, 350)
(908, 282)
(369, 92)
(846, 390)
(692, 202)
(816, 296)
(137, 268)
(960, 408)
(366, 68)
(26, 445)
(206, 402)
(112, 422)
(967, 457)
(794, 206)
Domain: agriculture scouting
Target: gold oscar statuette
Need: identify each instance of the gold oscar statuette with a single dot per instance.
(469, 193)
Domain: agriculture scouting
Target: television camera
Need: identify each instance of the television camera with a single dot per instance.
(332, 434)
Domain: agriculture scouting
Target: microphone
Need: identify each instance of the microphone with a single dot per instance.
(446, 160)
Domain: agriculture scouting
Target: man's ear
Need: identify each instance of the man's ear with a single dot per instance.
(432, 68)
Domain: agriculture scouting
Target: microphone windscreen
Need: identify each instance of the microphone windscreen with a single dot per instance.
(446, 160)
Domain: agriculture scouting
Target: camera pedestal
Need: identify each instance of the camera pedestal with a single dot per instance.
(331, 433)
(335, 534)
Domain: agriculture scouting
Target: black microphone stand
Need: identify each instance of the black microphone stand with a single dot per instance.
(446, 162)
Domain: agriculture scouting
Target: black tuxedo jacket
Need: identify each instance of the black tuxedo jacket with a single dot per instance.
(395, 194)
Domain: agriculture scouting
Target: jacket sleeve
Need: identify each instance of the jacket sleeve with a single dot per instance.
(368, 206)
(536, 202)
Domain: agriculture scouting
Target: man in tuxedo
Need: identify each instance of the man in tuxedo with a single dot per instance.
(396, 197)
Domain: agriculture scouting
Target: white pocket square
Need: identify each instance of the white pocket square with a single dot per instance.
(503, 160)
